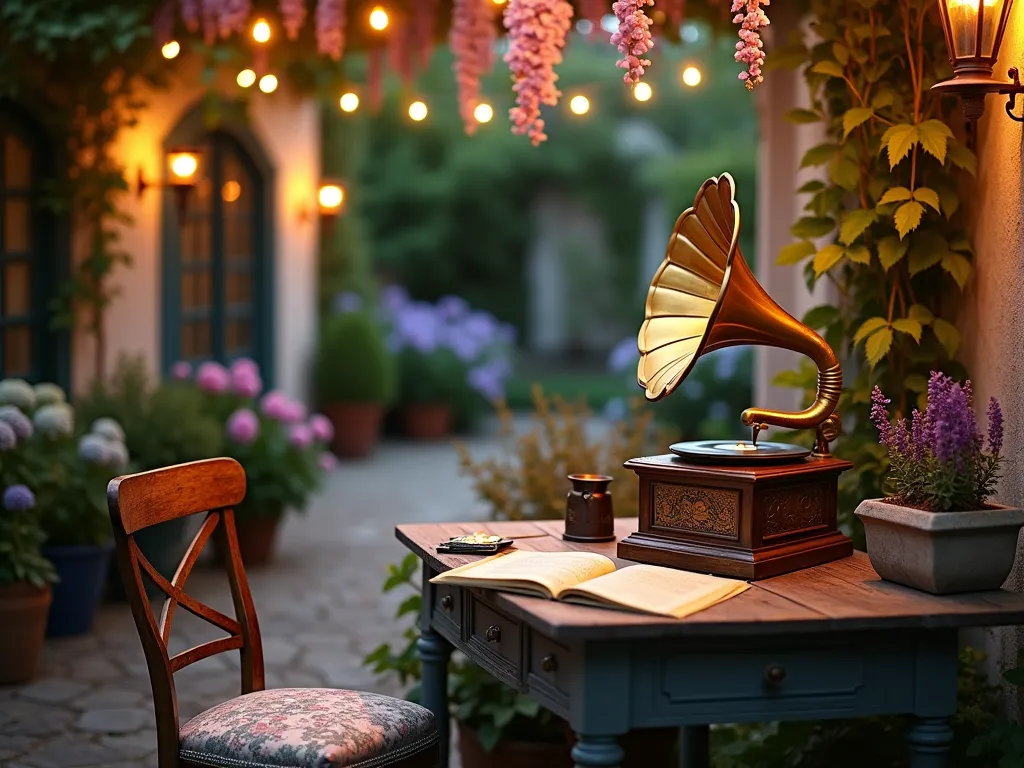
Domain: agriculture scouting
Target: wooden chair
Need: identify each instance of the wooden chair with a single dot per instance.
(287, 728)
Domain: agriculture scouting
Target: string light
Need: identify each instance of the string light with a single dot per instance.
(418, 111)
(246, 78)
(183, 165)
(330, 197)
(268, 83)
(579, 105)
(691, 77)
(498, 2)
(261, 31)
(483, 113)
(171, 49)
(349, 102)
(642, 92)
(379, 19)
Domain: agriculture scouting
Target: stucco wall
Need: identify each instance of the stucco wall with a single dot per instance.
(289, 130)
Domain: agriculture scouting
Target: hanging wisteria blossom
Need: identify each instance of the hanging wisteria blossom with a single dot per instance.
(536, 36)
(190, 14)
(163, 23)
(330, 27)
(211, 20)
(400, 50)
(293, 16)
(633, 37)
(593, 11)
(471, 38)
(233, 16)
(750, 48)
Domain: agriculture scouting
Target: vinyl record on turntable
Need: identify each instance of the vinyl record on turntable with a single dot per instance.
(739, 452)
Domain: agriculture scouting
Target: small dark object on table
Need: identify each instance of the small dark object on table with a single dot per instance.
(473, 544)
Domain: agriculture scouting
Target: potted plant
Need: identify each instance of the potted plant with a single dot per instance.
(936, 530)
(355, 381)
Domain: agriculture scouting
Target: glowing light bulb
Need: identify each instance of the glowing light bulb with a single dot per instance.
(268, 83)
(171, 49)
(418, 111)
(483, 113)
(184, 166)
(261, 31)
(231, 191)
(349, 102)
(331, 197)
(379, 19)
(642, 92)
(246, 78)
(579, 105)
(499, 2)
(691, 77)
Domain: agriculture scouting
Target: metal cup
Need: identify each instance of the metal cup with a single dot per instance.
(588, 509)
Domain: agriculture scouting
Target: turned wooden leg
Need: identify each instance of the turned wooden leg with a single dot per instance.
(694, 747)
(435, 652)
(597, 751)
(930, 739)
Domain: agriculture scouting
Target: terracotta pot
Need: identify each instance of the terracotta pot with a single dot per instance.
(427, 421)
(23, 612)
(257, 537)
(511, 754)
(356, 427)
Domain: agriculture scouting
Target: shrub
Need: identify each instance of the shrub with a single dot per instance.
(353, 365)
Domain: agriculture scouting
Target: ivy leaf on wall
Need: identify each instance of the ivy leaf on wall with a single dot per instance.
(814, 185)
(830, 68)
(929, 197)
(947, 334)
(844, 172)
(928, 249)
(891, 249)
(796, 252)
(962, 157)
(802, 116)
(958, 266)
(934, 136)
(898, 141)
(868, 327)
(908, 217)
(811, 227)
(910, 327)
(896, 195)
(878, 345)
(855, 223)
(819, 155)
(827, 258)
(859, 254)
(856, 117)
(819, 317)
(921, 313)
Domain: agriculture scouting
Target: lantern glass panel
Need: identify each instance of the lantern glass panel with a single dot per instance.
(964, 16)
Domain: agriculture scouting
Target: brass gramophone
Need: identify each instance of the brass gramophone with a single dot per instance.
(744, 509)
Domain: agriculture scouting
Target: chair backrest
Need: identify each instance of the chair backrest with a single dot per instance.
(213, 486)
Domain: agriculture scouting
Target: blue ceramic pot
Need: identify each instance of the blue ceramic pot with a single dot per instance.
(83, 573)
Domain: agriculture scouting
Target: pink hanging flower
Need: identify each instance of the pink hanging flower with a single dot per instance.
(211, 20)
(594, 11)
(234, 14)
(472, 38)
(633, 37)
(190, 14)
(330, 27)
(423, 29)
(375, 78)
(750, 48)
(163, 23)
(293, 15)
(400, 50)
(536, 33)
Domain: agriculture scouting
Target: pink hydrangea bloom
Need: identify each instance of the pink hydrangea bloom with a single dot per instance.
(323, 429)
(276, 405)
(633, 37)
(181, 371)
(327, 461)
(750, 48)
(471, 38)
(300, 435)
(245, 378)
(213, 377)
(330, 27)
(296, 412)
(293, 14)
(536, 37)
(243, 426)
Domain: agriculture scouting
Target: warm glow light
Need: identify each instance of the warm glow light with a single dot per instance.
(261, 31)
(183, 166)
(268, 83)
(642, 92)
(418, 111)
(231, 191)
(349, 102)
(379, 19)
(246, 78)
(171, 49)
(963, 18)
(579, 105)
(691, 77)
(483, 112)
(498, 2)
(331, 197)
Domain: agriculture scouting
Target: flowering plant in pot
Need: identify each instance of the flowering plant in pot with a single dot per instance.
(936, 530)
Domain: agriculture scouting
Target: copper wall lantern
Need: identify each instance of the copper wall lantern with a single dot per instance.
(183, 165)
(974, 31)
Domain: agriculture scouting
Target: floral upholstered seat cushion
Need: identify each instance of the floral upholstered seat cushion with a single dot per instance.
(307, 728)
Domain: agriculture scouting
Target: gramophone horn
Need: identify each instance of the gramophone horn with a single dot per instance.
(704, 297)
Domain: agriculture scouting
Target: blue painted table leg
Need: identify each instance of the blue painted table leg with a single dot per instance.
(434, 652)
(597, 751)
(930, 739)
(694, 747)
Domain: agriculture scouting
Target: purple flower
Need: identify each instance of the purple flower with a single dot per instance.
(245, 378)
(181, 371)
(213, 377)
(243, 426)
(275, 405)
(951, 417)
(624, 355)
(93, 449)
(880, 417)
(919, 440)
(323, 429)
(17, 421)
(393, 298)
(18, 498)
(995, 427)
(489, 379)
(416, 326)
(900, 438)
(452, 307)
(295, 413)
(8, 440)
(347, 302)
(327, 461)
(300, 435)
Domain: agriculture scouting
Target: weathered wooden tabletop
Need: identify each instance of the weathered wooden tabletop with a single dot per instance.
(839, 596)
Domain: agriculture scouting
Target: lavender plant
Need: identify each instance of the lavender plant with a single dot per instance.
(942, 462)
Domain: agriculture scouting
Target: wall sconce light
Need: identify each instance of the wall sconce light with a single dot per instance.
(183, 164)
(974, 31)
(331, 198)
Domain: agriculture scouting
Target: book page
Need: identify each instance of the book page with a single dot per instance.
(554, 572)
(652, 589)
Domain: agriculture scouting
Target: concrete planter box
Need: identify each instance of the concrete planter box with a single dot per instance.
(941, 552)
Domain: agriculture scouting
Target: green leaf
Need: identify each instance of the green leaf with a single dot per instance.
(811, 227)
(928, 197)
(830, 68)
(884, 98)
(819, 155)
(814, 185)
(962, 157)
(961, 244)
(947, 334)
(878, 345)
(915, 382)
(801, 116)
(891, 249)
(827, 258)
(841, 52)
(819, 317)
(949, 197)
(934, 135)
(859, 254)
(868, 327)
(908, 217)
(927, 250)
(899, 140)
(910, 327)
(958, 266)
(844, 172)
(896, 195)
(856, 117)
(921, 313)
(796, 252)
(855, 223)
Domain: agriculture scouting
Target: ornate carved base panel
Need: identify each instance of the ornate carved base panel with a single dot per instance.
(698, 510)
(788, 510)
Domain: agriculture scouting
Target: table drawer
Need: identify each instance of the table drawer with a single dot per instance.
(448, 607)
(548, 666)
(496, 639)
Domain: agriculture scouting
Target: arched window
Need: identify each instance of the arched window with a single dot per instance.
(29, 268)
(217, 293)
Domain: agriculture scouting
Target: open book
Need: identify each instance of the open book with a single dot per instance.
(591, 579)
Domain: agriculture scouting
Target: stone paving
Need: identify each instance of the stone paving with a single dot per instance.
(319, 606)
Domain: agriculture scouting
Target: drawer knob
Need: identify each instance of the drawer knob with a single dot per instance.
(549, 663)
(493, 634)
(447, 603)
(774, 674)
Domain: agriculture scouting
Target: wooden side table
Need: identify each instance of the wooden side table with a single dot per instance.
(828, 641)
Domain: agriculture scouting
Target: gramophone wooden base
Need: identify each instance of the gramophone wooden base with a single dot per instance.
(748, 522)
